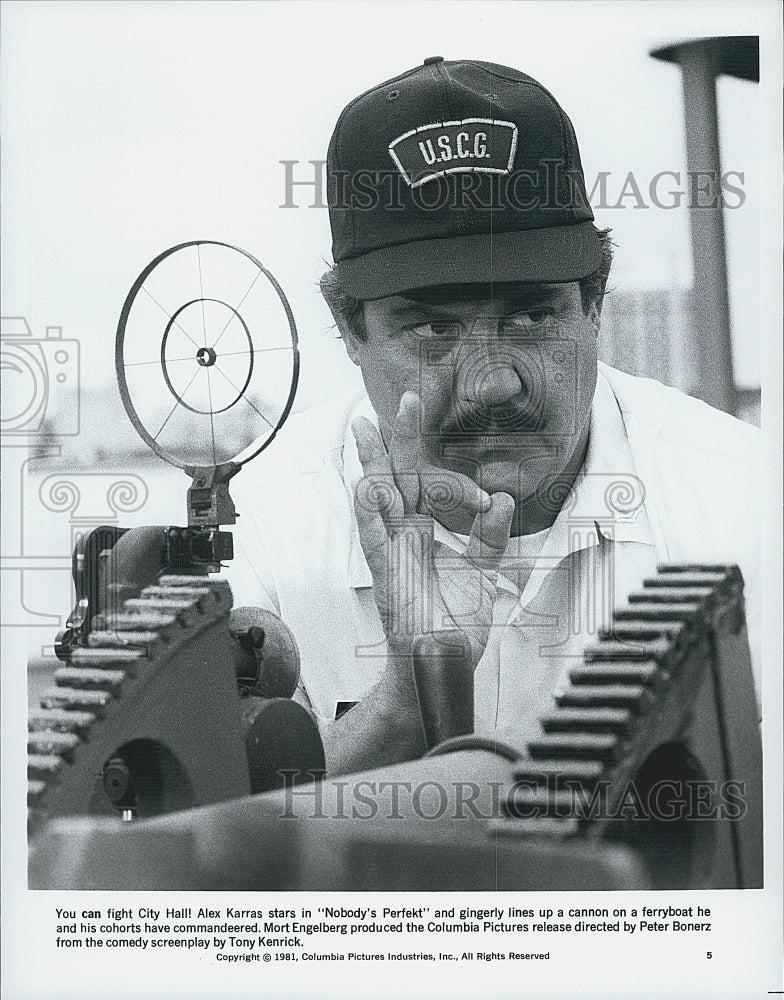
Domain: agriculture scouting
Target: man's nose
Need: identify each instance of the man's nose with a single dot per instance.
(487, 375)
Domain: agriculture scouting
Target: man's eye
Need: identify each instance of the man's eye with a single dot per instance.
(436, 330)
(528, 320)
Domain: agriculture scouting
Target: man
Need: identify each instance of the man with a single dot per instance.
(495, 479)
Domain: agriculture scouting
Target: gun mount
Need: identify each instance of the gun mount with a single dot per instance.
(664, 700)
(164, 700)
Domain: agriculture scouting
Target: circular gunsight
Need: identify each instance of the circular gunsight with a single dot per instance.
(207, 355)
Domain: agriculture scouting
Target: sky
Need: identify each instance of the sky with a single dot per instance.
(130, 127)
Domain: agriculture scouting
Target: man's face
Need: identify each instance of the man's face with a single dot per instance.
(506, 376)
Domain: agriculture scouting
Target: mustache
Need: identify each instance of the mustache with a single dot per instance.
(477, 419)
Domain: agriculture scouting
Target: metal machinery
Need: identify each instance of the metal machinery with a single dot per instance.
(173, 712)
(165, 699)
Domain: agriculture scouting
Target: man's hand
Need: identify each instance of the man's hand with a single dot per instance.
(395, 502)
(416, 593)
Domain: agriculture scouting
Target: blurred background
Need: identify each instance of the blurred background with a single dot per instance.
(130, 127)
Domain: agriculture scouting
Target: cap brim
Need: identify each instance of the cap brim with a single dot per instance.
(558, 254)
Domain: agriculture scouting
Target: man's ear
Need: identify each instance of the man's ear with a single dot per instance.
(352, 344)
(595, 316)
(350, 340)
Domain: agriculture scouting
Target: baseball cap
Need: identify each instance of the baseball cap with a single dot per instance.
(457, 172)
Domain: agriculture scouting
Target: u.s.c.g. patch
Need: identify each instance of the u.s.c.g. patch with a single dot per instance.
(479, 145)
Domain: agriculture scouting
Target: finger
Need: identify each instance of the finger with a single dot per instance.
(444, 491)
(372, 536)
(405, 450)
(370, 446)
(377, 492)
(490, 533)
(398, 557)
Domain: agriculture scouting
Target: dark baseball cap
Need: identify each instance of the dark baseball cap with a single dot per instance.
(457, 173)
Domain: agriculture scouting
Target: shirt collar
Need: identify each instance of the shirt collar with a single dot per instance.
(607, 489)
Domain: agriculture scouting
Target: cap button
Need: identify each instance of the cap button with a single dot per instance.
(432, 59)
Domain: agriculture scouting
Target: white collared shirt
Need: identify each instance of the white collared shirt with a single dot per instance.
(653, 460)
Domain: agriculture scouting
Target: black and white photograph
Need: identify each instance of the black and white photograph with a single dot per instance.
(391, 498)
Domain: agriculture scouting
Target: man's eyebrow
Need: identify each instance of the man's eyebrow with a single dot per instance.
(410, 313)
(406, 308)
(529, 295)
